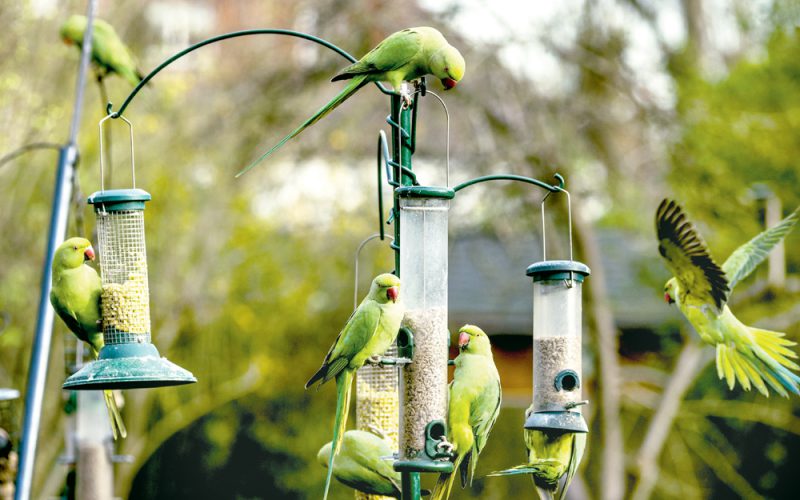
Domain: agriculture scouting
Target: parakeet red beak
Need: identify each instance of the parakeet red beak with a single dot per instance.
(448, 83)
(463, 340)
(88, 254)
(668, 299)
(392, 293)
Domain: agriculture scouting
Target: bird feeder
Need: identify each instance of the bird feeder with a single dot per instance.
(557, 345)
(128, 360)
(423, 266)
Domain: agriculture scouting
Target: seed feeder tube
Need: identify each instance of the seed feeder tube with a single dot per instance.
(128, 360)
(557, 345)
(423, 267)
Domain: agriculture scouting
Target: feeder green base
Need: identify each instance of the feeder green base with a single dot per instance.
(567, 421)
(128, 366)
(423, 465)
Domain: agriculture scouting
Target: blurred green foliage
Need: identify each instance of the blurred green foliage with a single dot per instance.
(250, 279)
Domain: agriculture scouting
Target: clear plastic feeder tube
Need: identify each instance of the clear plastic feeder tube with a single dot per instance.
(557, 334)
(423, 270)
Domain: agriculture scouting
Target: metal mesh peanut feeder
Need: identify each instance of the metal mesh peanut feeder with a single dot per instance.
(378, 404)
(128, 360)
(423, 263)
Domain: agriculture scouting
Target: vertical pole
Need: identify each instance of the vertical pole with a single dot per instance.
(94, 471)
(773, 212)
(40, 353)
(401, 153)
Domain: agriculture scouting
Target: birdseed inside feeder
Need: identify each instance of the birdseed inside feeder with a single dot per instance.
(557, 345)
(423, 267)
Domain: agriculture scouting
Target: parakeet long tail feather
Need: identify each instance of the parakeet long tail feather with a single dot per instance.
(445, 482)
(343, 389)
(351, 88)
(117, 425)
(766, 361)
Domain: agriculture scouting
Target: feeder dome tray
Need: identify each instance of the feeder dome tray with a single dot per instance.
(129, 366)
(567, 421)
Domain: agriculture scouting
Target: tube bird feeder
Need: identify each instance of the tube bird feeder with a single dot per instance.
(128, 360)
(557, 345)
(423, 264)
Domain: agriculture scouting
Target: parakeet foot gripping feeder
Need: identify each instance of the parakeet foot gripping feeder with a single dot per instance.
(557, 342)
(128, 360)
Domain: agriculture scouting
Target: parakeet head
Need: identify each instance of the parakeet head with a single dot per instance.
(324, 454)
(448, 65)
(671, 291)
(473, 340)
(385, 288)
(73, 253)
(72, 30)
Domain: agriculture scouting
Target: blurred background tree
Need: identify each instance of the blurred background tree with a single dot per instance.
(631, 100)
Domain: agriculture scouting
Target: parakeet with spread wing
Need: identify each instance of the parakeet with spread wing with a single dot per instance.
(364, 463)
(403, 56)
(369, 332)
(553, 459)
(75, 296)
(475, 396)
(701, 288)
(109, 54)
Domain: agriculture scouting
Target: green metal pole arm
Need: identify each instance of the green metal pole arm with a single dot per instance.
(234, 34)
(511, 177)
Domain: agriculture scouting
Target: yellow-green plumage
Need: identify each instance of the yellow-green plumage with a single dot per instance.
(403, 56)
(109, 54)
(75, 296)
(364, 463)
(701, 289)
(475, 396)
(553, 460)
(369, 332)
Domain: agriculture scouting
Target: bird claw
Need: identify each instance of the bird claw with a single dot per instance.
(375, 360)
(445, 445)
(377, 431)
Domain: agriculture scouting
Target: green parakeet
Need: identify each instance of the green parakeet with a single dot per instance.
(75, 296)
(553, 459)
(403, 56)
(362, 464)
(109, 54)
(369, 332)
(475, 396)
(701, 289)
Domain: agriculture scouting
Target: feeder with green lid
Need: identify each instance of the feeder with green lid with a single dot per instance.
(129, 360)
(423, 267)
(557, 345)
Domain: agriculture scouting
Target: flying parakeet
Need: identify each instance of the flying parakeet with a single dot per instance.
(75, 296)
(369, 332)
(701, 289)
(475, 396)
(403, 56)
(109, 54)
(362, 464)
(553, 459)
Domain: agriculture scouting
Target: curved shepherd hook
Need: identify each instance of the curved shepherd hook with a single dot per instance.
(234, 34)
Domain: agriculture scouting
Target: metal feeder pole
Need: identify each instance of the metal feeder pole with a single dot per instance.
(40, 352)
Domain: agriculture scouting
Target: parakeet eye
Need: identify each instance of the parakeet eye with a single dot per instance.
(75, 247)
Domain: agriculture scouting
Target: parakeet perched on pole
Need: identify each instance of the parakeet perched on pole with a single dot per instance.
(109, 54)
(364, 463)
(701, 289)
(369, 332)
(75, 296)
(475, 396)
(403, 56)
(553, 459)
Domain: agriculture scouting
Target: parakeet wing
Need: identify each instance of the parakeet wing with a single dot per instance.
(745, 258)
(484, 417)
(392, 53)
(687, 256)
(354, 336)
